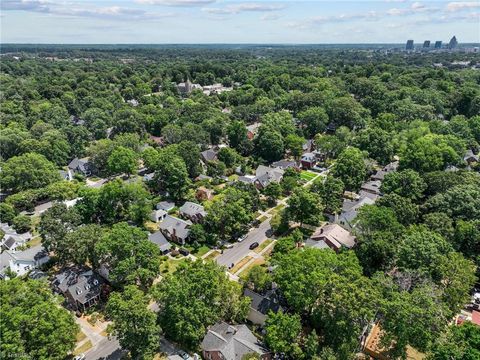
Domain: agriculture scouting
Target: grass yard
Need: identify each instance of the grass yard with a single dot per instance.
(240, 264)
(262, 218)
(80, 336)
(244, 274)
(307, 175)
(263, 245)
(81, 349)
(35, 241)
(169, 266)
(199, 252)
(212, 255)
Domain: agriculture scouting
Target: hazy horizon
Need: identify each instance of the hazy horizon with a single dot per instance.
(237, 22)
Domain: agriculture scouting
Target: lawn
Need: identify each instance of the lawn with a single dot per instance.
(263, 245)
(307, 175)
(244, 274)
(262, 218)
(198, 252)
(80, 336)
(169, 266)
(81, 349)
(212, 255)
(240, 264)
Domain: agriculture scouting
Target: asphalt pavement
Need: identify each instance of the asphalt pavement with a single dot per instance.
(241, 249)
(107, 349)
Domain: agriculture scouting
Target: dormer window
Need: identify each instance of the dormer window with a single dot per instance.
(95, 282)
(87, 287)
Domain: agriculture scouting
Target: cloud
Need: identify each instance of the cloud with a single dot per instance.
(244, 7)
(416, 7)
(180, 3)
(270, 17)
(78, 10)
(370, 16)
(462, 5)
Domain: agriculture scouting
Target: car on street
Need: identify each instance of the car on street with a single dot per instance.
(184, 355)
(79, 357)
(241, 238)
(253, 246)
(228, 246)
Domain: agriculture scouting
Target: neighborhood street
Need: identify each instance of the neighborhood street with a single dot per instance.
(241, 249)
(107, 349)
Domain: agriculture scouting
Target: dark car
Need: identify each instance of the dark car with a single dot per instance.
(184, 252)
(254, 245)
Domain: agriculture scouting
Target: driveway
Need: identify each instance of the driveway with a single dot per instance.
(241, 249)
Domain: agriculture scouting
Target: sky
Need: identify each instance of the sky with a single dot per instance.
(224, 21)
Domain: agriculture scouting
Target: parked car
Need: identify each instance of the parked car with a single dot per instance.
(184, 355)
(184, 252)
(254, 245)
(79, 357)
(228, 245)
(241, 238)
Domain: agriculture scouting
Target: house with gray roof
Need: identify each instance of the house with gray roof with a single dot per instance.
(80, 286)
(175, 229)
(22, 262)
(470, 157)
(11, 239)
(231, 342)
(350, 210)
(208, 155)
(380, 174)
(82, 166)
(261, 305)
(159, 239)
(265, 175)
(286, 164)
(158, 215)
(165, 205)
(192, 211)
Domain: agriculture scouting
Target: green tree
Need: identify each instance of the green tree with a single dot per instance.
(190, 153)
(304, 206)
(194, 297)
(78, 246)
(406, 183)
(171, 175)
(331, 191)
(34, 325)
(259, 277)
(28, 171)
(7, 212)
(294, 143)
(122, 160)
(22, 223)
(269, 144)
(282, 334)
(314, 120)
(458, 342)
(350, 168)
(134, 324)
(128, 254)
(405, 211)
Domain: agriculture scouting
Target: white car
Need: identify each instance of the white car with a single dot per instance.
(79, 357)
(241, 238)
(228, 246)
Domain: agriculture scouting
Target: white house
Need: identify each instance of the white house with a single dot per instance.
(21, 262)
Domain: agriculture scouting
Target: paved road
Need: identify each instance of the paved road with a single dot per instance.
(107, 349)
(240, 250)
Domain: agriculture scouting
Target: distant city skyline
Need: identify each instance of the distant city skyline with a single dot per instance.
(223, 21)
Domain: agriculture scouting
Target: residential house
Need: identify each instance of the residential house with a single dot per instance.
(158, 215)
(159, 239)
(66, 175)
(247, 179)
(252, 130)
(307, 146)
(231, 342)
(350, 210)
(380, 174)
(332, 236)
(80, 286)
(81, 166)
(11, 239)
(286, 164)
(165, 205)
(157, 140)
(261, 305)
(175, 229)
(308, 160)
(21, 262)
(202, 177)
(470, 157)
(185, 88)
(371, 187)
(208, 155)
(192, 211)
(204, 193)
(76, 121)
(265, 175)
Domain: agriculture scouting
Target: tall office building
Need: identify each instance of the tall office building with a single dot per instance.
(438, 44)
(426, 44)
(453, 43)
(409, 45)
